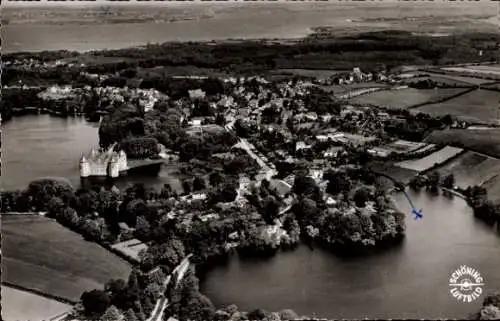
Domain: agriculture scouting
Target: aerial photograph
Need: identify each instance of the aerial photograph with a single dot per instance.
(250, 160)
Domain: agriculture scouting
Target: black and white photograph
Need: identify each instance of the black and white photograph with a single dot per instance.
(250, 160)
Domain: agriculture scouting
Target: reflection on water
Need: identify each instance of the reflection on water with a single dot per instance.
(408, 281)
(44, 146)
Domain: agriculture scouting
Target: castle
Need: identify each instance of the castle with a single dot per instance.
(103, 163)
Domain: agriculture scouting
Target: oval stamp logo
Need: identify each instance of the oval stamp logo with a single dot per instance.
(466, 284)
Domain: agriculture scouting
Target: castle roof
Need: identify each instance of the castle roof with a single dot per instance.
(83, 159)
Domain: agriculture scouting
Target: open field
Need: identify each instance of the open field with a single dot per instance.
(320, 73)
(478, 105)
(456, 79)
(480, 70)
(471, 168)
(480, 140)
(131, 248)
(42, 255)
(22, 305)
(403, 146)
(341, 89)
(423, 164)
(398, 173)
(404, 98)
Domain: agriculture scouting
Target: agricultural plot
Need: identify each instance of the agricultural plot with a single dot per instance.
(405, 98)
(41, 255)
(478, 105)
(480, 140)
(480, 70)
(22, 305)
(342, 89)
(457, 79)
(471, 168)
(403, 146)
(425, 163)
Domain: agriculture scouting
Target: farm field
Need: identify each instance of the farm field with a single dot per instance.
(478, 105)
(398, 173)
(483, 70)
(471, 168)
(457, 78)
(403, 146)
(340, 89)
(480, 140)
(319, 73)
(423, 164)
(22, 305)
(41, 255)
(404, 98)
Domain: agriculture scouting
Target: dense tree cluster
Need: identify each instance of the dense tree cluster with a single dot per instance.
(491, 307)
(361, 216)
(133, 299)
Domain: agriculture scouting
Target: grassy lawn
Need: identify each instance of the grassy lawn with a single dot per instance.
(478, 105)
(404, 98)
(480, 140)
(22, 305)
(42, 255)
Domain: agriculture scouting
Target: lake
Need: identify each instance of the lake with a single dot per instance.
(409, 281)
(117, 26)
(37, 146)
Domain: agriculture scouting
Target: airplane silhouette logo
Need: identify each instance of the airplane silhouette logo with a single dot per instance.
(416, 212)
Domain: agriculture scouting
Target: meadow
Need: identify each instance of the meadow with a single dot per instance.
(427, 162)
(478, 105)
(480, 70)
(404, 98)
(22, 305)
(41, 255)
(472, 169)
(451, 79)
(479, 140)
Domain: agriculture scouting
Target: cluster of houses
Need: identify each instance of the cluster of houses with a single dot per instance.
(146, 98)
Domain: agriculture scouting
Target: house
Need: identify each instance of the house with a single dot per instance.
(332, 152)
(316, 174)
(322, 138)
(383, 116)
(196, 121)
(312, 116)
(330, 201)
(380, 152)
(196, 93)
(198, 196)
(290, 179)
(280, 186)
(301, 145)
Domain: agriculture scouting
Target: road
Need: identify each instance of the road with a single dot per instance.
(162, 303)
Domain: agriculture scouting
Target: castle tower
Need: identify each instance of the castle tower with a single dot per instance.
(84, 167)
(113, 167)
(122, 161)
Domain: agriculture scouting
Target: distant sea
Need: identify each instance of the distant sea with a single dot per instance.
(105, 27)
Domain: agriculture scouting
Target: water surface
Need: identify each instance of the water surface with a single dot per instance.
(409, 281)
